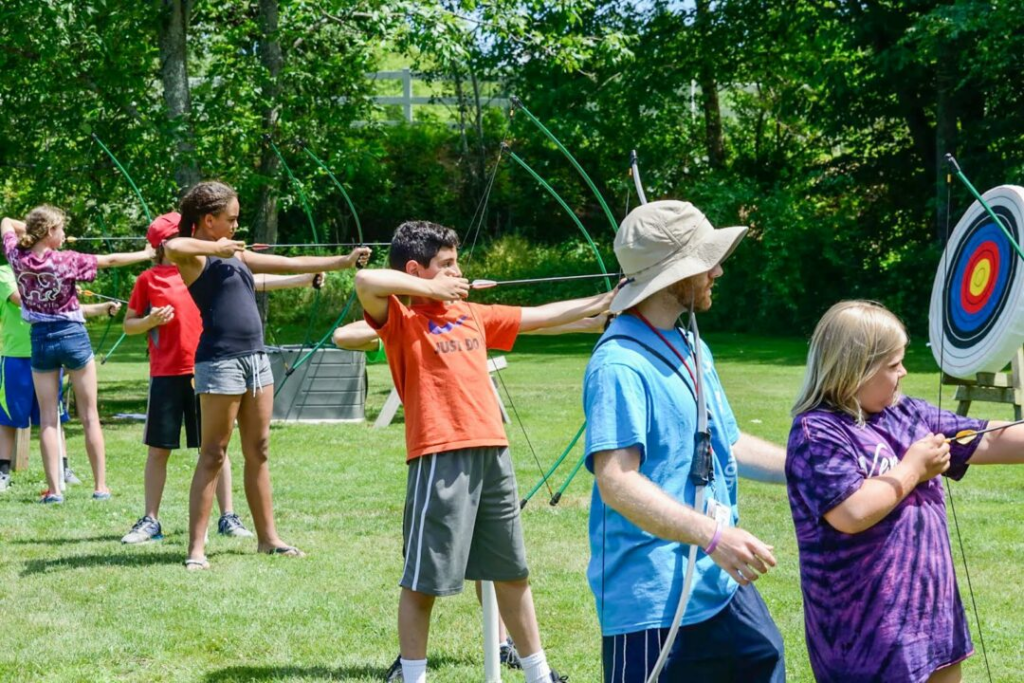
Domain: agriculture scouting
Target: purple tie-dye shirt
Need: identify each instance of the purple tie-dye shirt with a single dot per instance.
(882, 605)
(46, 281)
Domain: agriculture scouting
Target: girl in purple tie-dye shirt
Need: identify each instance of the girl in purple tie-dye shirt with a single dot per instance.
(881, 602)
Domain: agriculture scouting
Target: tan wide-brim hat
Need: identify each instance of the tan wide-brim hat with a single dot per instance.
(661, 243)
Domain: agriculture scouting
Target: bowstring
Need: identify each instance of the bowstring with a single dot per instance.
(938, 417)
(479, 217)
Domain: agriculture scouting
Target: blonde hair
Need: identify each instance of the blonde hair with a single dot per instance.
(852, 342)
(38, 224)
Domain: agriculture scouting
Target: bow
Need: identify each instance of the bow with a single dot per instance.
(109, 241)
(303, 358)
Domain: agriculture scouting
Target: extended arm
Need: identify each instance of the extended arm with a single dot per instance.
(760, 460)
(110, 308)
(270, 283)
(124, 259)
(269, 263)
(646, 505)
(1005, 447)
(189, 254)
(356, 336)
(564, 312)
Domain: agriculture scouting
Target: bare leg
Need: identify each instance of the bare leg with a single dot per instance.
(515, 604)
(949, 674)
(254, 430)
(414, 610)
(219, 413)
(46, 394)
(155, 479)
(84, 382)
(224, 498)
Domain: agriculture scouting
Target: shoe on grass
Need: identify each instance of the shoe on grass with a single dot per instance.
(555, 678)
(508, 654)
(230, 525)
(5, 482)
(70, 478)
(101, 495)
(394, 673)
(49, 497)
(145, 530)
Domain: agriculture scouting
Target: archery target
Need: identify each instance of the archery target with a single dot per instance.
(976, 318)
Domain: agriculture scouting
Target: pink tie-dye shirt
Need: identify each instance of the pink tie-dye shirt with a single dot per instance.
(46, 281)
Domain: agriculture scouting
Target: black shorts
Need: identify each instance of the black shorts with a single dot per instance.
(172, 400)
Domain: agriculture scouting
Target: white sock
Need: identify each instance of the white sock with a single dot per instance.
(414, 670)
(536, 668)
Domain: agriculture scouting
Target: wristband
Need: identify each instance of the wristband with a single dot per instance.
(715, 538)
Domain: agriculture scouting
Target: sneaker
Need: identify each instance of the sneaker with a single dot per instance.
(5, 482)
(145, 530)
(394, 674)
(555, 678)
(51, 497)
(230, 525)
(509, 655)
(70, 478)
(101, 495)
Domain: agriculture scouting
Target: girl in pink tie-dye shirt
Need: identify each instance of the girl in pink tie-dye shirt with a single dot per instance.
(46, 278)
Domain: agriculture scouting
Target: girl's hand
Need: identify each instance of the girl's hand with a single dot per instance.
(150, 251)
(359, 257)
(227, 248)
(929, 457)
(317, 281)
(113, 308)
(161, 316)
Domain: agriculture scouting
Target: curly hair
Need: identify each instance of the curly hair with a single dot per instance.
(209, 196)
(419, 241)
(39, 222)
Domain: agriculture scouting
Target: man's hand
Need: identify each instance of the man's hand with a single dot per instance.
(447, 288)
(929, 457)
(226, 248)
(160, 316)
(743, 555)
(359, 257)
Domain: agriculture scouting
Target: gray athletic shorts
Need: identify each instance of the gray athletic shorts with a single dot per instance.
(234, 376)
(462, 521)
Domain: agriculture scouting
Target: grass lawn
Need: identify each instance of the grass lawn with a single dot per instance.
(76, 605)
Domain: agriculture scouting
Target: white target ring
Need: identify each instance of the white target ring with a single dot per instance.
(976, 317)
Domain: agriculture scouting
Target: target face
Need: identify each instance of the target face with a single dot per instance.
(976, 318)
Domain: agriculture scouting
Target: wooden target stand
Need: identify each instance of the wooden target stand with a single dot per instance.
(992, 387)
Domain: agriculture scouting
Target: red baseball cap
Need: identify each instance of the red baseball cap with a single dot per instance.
(163, 228)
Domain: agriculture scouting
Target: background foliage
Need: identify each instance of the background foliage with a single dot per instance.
(820, 125)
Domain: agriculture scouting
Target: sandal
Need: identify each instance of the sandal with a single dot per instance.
(196, 564)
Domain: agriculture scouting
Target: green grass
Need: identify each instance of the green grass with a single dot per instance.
(78, 606)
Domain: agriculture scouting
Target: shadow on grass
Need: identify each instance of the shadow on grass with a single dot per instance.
(238, 674)
(127, 560)
(65, 541)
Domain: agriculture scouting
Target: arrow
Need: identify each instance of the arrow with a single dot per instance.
(259, 246)
(487, 284)
(86, 292)
(966, 436)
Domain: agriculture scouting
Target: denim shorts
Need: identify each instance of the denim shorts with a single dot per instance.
(60, 344)
(233, 376)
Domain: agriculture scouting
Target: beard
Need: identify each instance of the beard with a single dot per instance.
(693, 293)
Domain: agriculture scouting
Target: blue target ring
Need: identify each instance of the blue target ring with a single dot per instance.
(964, 321)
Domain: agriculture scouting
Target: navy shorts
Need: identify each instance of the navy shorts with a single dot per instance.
(172, 404)
(740, 644)
(18, 404)
(60, 344)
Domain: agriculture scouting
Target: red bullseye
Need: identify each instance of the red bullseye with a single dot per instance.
(983, 266)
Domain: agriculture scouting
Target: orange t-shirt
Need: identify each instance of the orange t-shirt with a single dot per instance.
(437, 353)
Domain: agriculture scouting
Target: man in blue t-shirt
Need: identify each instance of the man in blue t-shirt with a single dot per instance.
(649, 519)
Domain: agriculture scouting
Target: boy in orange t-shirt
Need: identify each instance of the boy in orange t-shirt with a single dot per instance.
(462, 508)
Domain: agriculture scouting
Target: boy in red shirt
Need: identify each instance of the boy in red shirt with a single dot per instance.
(161, 307)
(462, 509)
